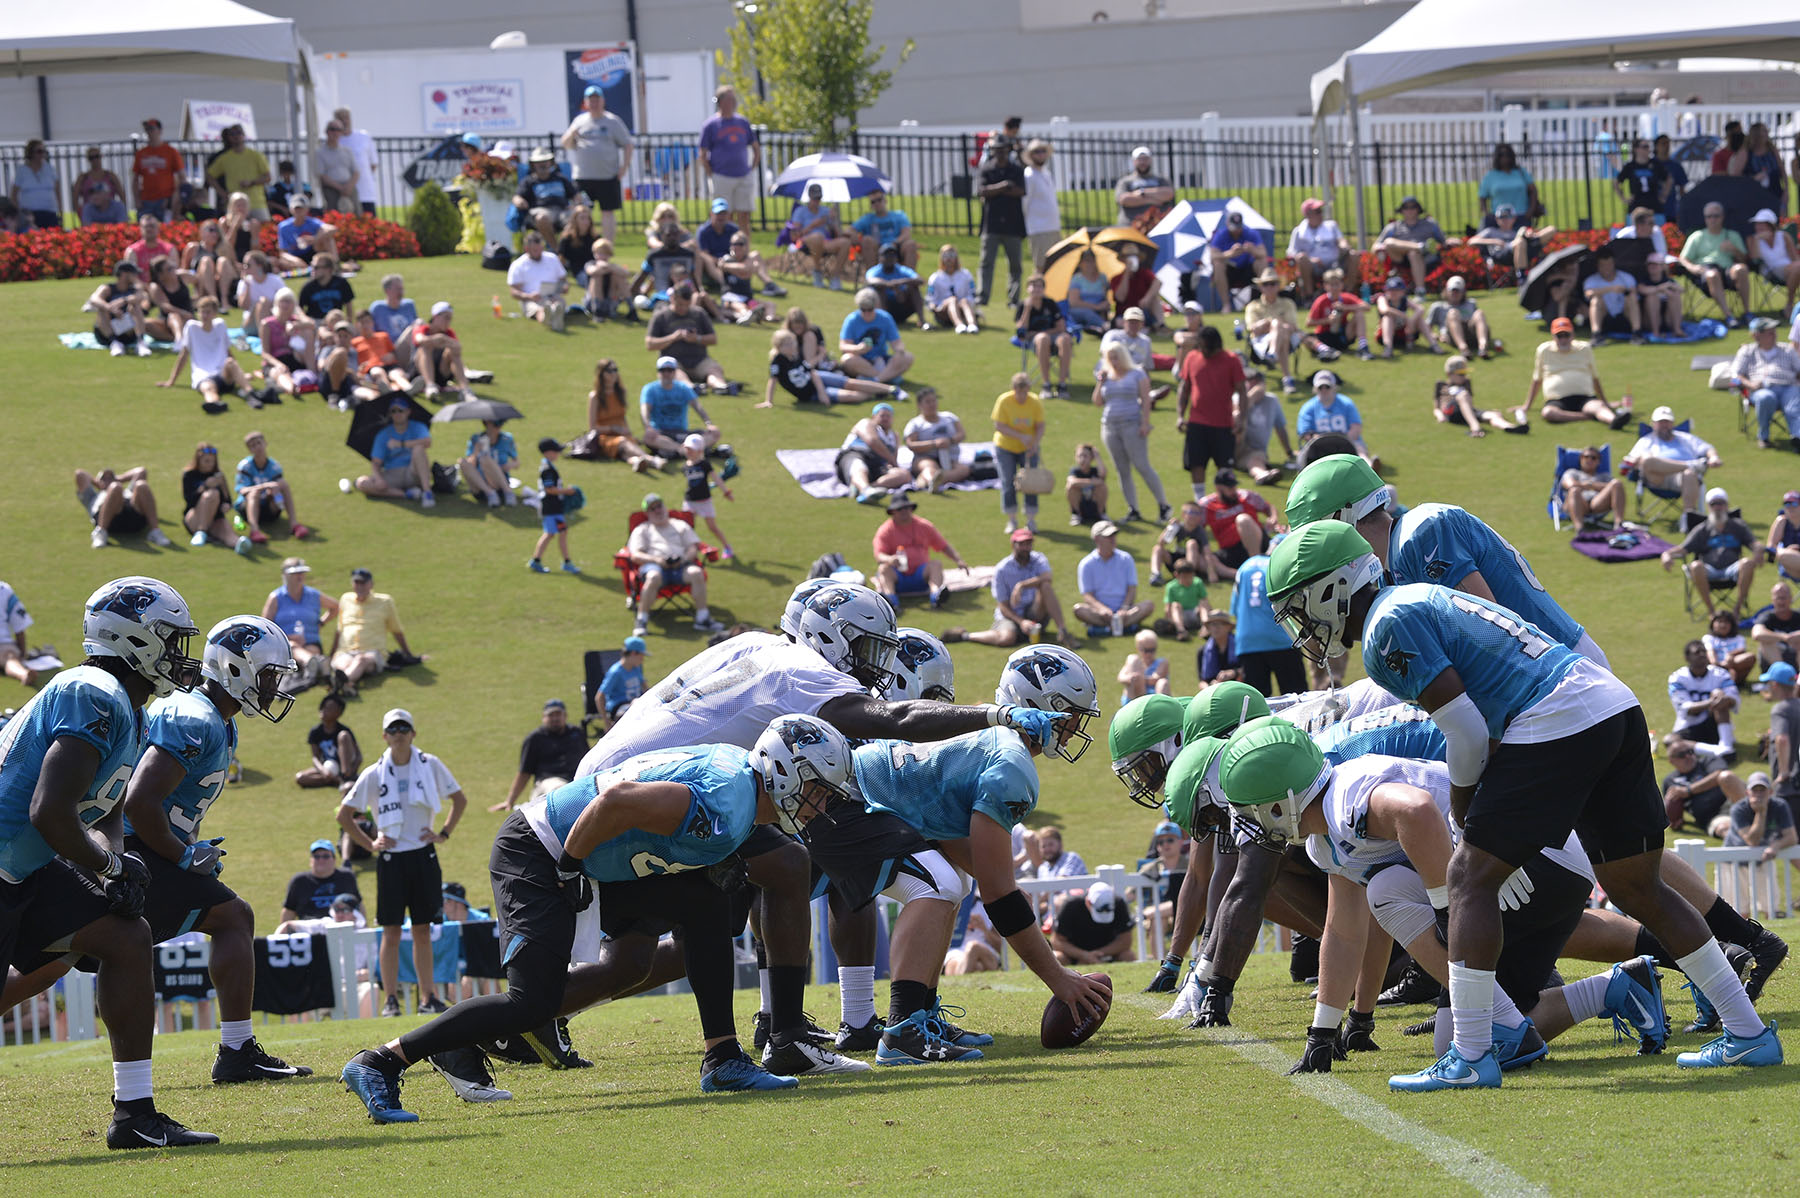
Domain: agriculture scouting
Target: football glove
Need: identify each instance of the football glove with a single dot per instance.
(1515, 892)
(577, 891)
(202, 857)
(1166, 975)
(1321, 1046)
(1359, 1033)
(730, 875)
(1035, 725)
(1215, 1007)
(125, 893)
(1187, 1000)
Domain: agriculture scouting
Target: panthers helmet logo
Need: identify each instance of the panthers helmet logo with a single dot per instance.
(827, 601)
(238, 638)
(915, 651)
(1039, 668)
(795, 733)
(130, 601)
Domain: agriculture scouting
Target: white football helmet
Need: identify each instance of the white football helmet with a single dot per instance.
(922, 669)
(805, 764)
(790, 615)
(852, 628)
(1316, 614)
(1052, 678)
(144, 621)
(249, 657)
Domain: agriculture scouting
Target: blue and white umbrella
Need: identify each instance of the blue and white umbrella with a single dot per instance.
(843, 177)
(1182, 235)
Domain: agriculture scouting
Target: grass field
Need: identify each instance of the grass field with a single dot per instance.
(500, 640)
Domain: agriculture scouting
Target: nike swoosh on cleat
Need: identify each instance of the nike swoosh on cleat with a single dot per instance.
(157, 1142)
(285, 1071)
(1734, 1058)
(1643, 1016)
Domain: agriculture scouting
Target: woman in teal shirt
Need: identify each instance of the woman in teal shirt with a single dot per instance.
(1508, 183)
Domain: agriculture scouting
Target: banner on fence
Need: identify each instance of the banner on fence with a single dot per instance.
(183, 967)
(613, 69)
(206, 119)
(475, 106)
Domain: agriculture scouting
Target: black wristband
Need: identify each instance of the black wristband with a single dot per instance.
(1173, 960)
(1010, 913)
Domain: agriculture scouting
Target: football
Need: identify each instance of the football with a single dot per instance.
(1060, 1028)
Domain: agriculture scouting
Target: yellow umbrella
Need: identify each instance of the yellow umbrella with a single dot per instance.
(1109, 247)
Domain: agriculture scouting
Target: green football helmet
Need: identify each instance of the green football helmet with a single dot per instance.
(1313, 575)
(1219, 709)
(1270, 772)
(1195, 806)
(1339, 487)
(1143, 740)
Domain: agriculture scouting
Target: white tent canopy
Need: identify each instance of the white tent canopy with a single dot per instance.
(1440, 41)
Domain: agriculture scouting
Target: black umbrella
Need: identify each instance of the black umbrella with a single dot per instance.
(1535, 295)
(477, 409)
(371, 416)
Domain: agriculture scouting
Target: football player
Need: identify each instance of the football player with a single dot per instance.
(1487, 675)
(642, 833)
(65, 760)
(922, 669)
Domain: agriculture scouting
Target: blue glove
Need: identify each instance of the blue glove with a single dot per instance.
(1037, 726)
(202, 857)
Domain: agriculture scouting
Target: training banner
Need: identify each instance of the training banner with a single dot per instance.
(613, 69)
(204, 120)
(481, 106)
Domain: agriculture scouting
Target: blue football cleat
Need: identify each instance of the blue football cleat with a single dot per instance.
(742, 1073)
(1735, 1050)
(1519, 1046)
(915, 1041)
(378, 1089)
(1451, 1072)
(1634, 1000)
(954, 1034)
(1706, 1016)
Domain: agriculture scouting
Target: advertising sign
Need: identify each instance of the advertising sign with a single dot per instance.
(480, 106)
(613, 70)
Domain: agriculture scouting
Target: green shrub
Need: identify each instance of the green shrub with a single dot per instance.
(434, 221)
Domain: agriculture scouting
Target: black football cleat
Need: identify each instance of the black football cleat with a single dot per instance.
(866, 1038)
(249, 1063)
(152, 1129)
(1770, 951)
(810, 1029)
(1414, 986)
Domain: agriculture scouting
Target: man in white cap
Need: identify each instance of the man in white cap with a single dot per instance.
(1094, 928)
(1724, 550)
(1141, 190)
(1672, 459)
(1771, 372)
(403, 791)
(1456, 319)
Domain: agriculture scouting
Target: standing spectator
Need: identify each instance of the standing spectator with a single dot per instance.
(901, 292)
(35, 190)
(402, 468)
(935, 438)
(206, 498)
(1588, 492)
(1238, 520)
(238, 167)
(1107, 580)
(599, 144)
(663, 405)
(1234, 250)
(538, 281)
(1713, 256)
(697, 471)
(685, 335)
(1784, 535)
(312, 891)
(1704, 697)
(1678, 179)
(1218, 655)
(1018, 419)
(1763, 164)
(1123, 396)
(869, 341)
(1336, 316)
(301, 611)
(437, 353)
(1328, 413)
(623, 681)
(1273, 325)
(336, 757)
(1771, 374)
(667, 551)
(119, 505)
(1772, 249)
(1266, 653)
(206, 342)
(155, 171)
(1643, 182)
(730, 154)
(1025, 600)
(1144, 671)
(1040, 326)
(282, 191)
(882, 226)
(1698, 787)
(1728, 649)
(950, 292)
(1724, 552)
(551, 753)
(1184, 600)
(1777, 630)
(1141, 192)
(1210, 407)
(368, 160)
(1759, 818)
(1001, 187)
(1456, 319)
(1095, 930)
(1672, 460)
(14, 620)
(1043, 214)
(336, 168)
(366, 618)
(403, 792)
(1409, 238)
(487, 463)
(552, 494)
(1659, 297)
(1784, 730)
(1506, 182)
(903, 546)
(1318, 245)
(1564, 372)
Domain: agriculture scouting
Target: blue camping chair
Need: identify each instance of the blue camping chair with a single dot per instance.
(1658, 503)
(1568, 459)
(1026, 353)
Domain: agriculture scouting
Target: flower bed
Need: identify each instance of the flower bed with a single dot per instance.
(92, 251)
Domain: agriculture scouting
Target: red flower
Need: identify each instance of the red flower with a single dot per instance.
(91, 251)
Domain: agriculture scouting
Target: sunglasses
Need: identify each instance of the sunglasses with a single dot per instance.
(1166, 840)
(323, 853)
(397, 729)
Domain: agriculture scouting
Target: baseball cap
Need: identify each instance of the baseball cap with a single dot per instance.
(889, 247)
(472, 139)
(555, 703)
(295, 565)
(593, 90)
(1456, 364)
(721, 205)
(1790, 497)
(151, 122)
(399, 403)
(360, 574)
(1023, 534)
(1780, 672)
(1132, 314)
(1312, 204)
(667, 363)
(1324, 378)
(1234, 217)
(441, 308)
(879, 408)
(1764, 216)
(1717, 495)
(1140, 152)
(1456, 283)
(1194, 306)
(1562, 324)
(457, 891)
(1167, 828)
(1100, 900)
(347, 901)
(322, 845)
(396, 715)
(650, 501)
(1762, 324)
(1664, 412)
(1395, 283)
(636, 644)
(693, 441)
(1104, 528)
(1225, 477)
(1759, 778)
(1504, 210)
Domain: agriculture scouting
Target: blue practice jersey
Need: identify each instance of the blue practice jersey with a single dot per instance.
(1507, 665)
(1398, 731)
(937, 788)
(1436, 542)
(719, 816)
(190, 729)
(88, 704)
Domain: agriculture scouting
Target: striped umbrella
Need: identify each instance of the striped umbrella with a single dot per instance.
(843, 177)
(1110, 247)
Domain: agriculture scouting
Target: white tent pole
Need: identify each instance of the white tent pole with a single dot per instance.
(1356, 162)
(293, 120)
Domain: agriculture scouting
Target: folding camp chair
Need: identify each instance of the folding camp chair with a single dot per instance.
(1654, 503)
(1027, 355)
(594, 664)
(1690, 600)
(1568, 459)
(675, 593)
(1747, 417)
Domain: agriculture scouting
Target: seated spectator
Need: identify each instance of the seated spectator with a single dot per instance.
(120, 505)
(1239, 521)
(1184, 600)
(741, 267)
(118, 309)
(487, 462)
(1641, 223)
(377, 359)
(679, 275)
(458, 910)
(1456, 319)
(1218, 655)
(1234, 250)
(1054, 861)
(1777, 630)
(1699, 786)
(868, 462)
(1090, 294)
(1564, 372)
(1025, 600)
(1728, 648)
(1771, 374)
(207, 260)
(1772, 249)
(206, 500)
(302, 236)
(898, 285)
(1136, 289)
(685, 335)
(1588, 493)
(607, 285)
(979, 951)
(1724, 552)
(289, 344)
(312, 891)
(1642, 183)
(712, 241)
(950, 293)
(1085, 487)
(366, 618)
(667, 552)
(402, 468)
(1401, 322)
(551, 753)
(104, 205)
(606, 417)
(1409, 238)
(1671, 459)
(808, 382)
(1713, 256)
(1337, 317)
(336, 757)
(1144, 671)
(1704, 697)
(1784, 535)
(206, 342)
(341, 379)
(170, 293)
(1107, 581)
(538, 282)
(300, 611)
(664, 405)
(1453, 402)
(437, 353)
(623, 681)
(150, 246)
(1130, 332)
(1187, 337)
(263, 491)
(1612, 299)
(1317, 245)
(1183, 538)
(1659, 298)
(882, 226)
(1040, 326)
(1759, 818)
(935, 438)
(257, 288)
(395, 316)
(813, 229)
(869, 341)
(545, 193)
(1142, 193)
(1273, 325)
(1328, 413)
(903, 546)
(1168, 865)
(1095, 930)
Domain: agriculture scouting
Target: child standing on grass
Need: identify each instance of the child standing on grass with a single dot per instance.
(550, 506)
(698, 499)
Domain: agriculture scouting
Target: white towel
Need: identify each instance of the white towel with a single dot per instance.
(390, 813)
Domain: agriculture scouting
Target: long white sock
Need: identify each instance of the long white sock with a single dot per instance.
(762, 979)
(131, 1080)
(1506, 1012)
(1728, 737)
(1199, 493)
(1586, 998)
(234, 1033)
(1717, 750)
(857, 998)
(1707, 969)
(1472, 1009)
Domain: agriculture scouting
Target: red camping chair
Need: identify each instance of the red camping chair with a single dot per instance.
(677, 593)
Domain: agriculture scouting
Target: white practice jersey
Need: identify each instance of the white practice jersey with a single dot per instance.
(1315, 711)
(726, 695)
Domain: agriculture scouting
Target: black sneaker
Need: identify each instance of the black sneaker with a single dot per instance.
(1769, 951)
(152, 1129)
(514, 1050)
(391, 1008)
(1414, 986)
(800, 1056)
(249, 1063)
(811, 1030)
(1303, 965)
(433, 1006)
(860, 1039)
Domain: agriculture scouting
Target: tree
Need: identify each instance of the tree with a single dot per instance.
(817, 70)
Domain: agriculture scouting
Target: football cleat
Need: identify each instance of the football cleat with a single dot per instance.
(466, 1070)
(1706, 1016)
(1769, 951)
(152, 1129)
(365, 1076)
(1451, 1072)
(567, 1057)
(860, 1039)
(759, 1035)
(1634, 1000)
(249, 1063)
(954, 1034)
(1728, 1049)
(1517, 1047)
(802, 1057)
(1414, 986)
(742, 1073)
(1425, 1027)
(914, 1041)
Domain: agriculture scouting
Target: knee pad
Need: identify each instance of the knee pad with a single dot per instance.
(1397, 898)
(927, 875)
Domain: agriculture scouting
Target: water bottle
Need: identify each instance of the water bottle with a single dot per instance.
(902, 564)
(237, 521)
(1237, 329)
(498, 313)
